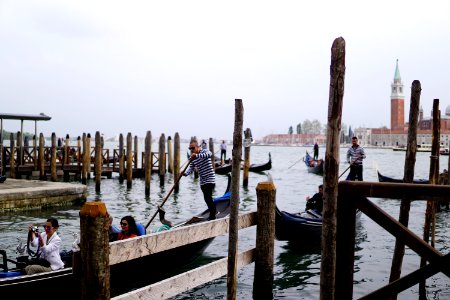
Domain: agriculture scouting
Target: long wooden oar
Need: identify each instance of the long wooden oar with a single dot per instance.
(347, 168)
(296, 162)
(170, 192)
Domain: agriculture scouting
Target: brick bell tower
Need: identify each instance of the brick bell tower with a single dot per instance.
(397, 103)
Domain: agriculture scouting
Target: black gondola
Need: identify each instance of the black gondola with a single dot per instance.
(226, 168)
(314, 166)
(124, 276)
(302, 227)
(383, 178)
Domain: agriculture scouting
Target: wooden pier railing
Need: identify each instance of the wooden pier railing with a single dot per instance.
(352, 196)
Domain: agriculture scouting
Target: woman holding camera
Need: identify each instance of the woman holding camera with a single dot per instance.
(48, 244)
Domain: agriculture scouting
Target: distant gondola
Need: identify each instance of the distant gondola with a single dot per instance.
(383, 178)
(313, 165)
(124, 276)
(226, 168)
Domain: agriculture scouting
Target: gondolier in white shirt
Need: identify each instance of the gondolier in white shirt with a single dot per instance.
(355, 156)
(201, 159)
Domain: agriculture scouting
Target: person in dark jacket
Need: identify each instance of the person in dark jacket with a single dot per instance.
(316, 202)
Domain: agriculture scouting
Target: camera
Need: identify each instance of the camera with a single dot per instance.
(35, 229)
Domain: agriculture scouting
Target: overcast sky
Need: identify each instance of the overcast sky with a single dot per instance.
(177, 66)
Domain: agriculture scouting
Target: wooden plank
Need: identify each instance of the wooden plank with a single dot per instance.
(124, 250)
(402, 233)
(184, 282)
(409, 280)
(395, 190)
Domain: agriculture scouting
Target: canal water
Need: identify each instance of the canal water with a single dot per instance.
(297, 267)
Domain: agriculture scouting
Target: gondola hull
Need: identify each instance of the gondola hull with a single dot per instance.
(383, 178)
(124, 276)
(314, 166)
(227, 168)
(304, 227)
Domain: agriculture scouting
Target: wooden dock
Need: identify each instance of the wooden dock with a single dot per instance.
(17, 194)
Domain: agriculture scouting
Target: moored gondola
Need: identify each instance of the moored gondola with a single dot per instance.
(383, 178)
(227, 168)
(305, 227)
(124, 276)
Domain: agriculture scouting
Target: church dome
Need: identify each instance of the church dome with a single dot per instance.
(447, 111)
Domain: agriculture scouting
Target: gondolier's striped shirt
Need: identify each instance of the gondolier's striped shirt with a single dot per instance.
(356, 155)
(204, 166)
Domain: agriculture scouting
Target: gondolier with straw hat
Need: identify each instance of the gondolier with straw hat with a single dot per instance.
(355, 156)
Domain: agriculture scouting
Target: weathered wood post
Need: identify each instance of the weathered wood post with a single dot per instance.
(42, 157)
(265, 237)
(88, 157)
(129, 161)
(147, 162)
(331, 176)
(66, 151)
(247, 143)
(170, 155)
(408, 177)
(35, 156)
(176, 161)
(12, 161)
(85, 160)
(53, 159)
(19, 161)
(434, 177)
(98, 162)
(162, 159)
(78, 156)
(94, 242)
(234, 211)
(136, 151)
(66, 160)
(211, 148)
(121, 160)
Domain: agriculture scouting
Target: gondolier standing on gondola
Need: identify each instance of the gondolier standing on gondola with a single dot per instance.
(201, 159)
(355, 156)
(316, 151)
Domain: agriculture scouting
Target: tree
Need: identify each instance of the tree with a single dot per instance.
(291, 130)
(299, 128)
(316, 127)
(307, 127)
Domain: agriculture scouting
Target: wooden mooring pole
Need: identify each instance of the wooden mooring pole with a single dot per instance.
(136, 151)
(95, 279)
(265, 236)
(88, 156)
(434, 177)
(248, 136)
(408, 177)
(121, 160)
(148, 162)
(35, 156)
(98, 162)
(85, 155)
(330, 178)
(41, 157)
(53, 159)
(162, 159)
(12, 162)
(234, 212)
(211, 148)
(176, 161)
(170, 155)
(129, 161)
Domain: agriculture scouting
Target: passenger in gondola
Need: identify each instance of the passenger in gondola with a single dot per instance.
(129, 228)
(316, 202)
(113, 232)
(48, 250)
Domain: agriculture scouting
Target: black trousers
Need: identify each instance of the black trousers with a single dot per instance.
(224, 154)
(356, 173)
(207, 190)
